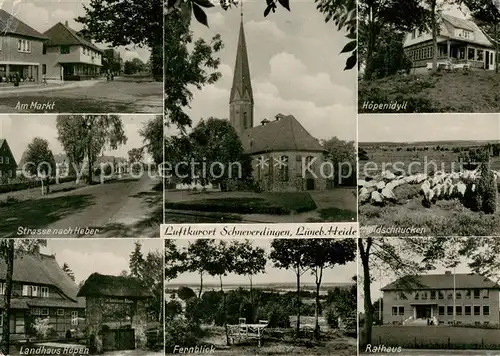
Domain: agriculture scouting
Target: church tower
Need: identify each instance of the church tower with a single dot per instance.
(241, 99)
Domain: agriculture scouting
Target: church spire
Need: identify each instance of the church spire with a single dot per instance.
(241, 99)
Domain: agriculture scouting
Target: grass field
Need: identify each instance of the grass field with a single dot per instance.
(477, 92)
(437, 337)
(446, 217)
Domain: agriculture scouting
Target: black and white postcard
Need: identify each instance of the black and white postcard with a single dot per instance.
(79, 297)
(261, 296)
(45, 186)
(80, 57)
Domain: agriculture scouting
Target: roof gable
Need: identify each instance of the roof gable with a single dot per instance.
(9, 24)
(284, 134)
(5, 145)
(444, 281)
(62, 35)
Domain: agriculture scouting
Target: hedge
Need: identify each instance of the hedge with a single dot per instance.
(15, 187)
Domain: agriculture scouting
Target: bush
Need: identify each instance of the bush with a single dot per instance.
(332, 317)
(186, 293)
(277, 316)
(181, 332)
(194, 311)
(173, 308)
(487, 190)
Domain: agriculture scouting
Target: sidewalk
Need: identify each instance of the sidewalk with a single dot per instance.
(36, 88)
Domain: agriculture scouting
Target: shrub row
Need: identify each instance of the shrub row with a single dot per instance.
(14, 187)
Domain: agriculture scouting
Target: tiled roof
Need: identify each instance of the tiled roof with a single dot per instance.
(285, 134)
(41, 269)
(9, 24)
(445, 281)
(62, 35)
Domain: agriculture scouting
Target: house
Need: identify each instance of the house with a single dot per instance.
(21, 49)
(459, 41)
(117, 164)
(69, 56)
(8, 165)
(116, 312)
(41, 290)
(285, 156)
(443, 298)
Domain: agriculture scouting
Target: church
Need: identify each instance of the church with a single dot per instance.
(285, 156)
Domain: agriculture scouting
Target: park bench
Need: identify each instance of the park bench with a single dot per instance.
(244, 331)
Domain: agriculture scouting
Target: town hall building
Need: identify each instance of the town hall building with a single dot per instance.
(280, 147)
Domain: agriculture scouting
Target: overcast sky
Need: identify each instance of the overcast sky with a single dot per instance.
(19, 131)
(340, 274)
(105, 256)
(294, 64)
(42, 15)
(428, 127)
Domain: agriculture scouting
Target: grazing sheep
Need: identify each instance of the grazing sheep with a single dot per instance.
(428, 198)
(438, 191)
(377, 198)
(364, 196)
(388, 175)
(388, 194)
(380, 185)
(425, 187)
(460, 189)
(362, 182)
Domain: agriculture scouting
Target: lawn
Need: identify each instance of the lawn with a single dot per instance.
(476, 92)
(252, 203)
(436, 337)
(331, 344)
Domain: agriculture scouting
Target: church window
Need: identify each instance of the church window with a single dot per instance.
(284, 169)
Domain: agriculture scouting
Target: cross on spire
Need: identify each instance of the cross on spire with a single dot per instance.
(241, 9)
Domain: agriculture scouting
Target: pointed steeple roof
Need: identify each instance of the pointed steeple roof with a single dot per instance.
(242, 86)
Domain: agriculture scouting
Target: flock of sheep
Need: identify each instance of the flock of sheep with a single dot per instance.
(441, 185)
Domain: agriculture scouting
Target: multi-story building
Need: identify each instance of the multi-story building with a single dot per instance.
(459, 41)
(69, 56)
(8, 164)
(443, 299)
(42, 292)
(21, 49)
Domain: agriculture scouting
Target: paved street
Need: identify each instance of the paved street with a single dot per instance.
(103, 97)
(122, 208)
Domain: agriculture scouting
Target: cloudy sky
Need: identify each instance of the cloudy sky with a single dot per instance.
(294, 64)
(427, 127)
(42, 15)
(19, 130)
(105, 256)
(340, 274)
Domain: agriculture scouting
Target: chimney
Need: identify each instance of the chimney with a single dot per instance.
(66, 23)
(447, 273)
(264, 122)
(279, 116)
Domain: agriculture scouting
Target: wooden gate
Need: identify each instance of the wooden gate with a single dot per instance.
(118, 339)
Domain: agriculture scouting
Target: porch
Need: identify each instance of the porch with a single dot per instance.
(475, 56)
(80, 71)
(26, 72)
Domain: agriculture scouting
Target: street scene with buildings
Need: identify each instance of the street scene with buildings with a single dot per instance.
(46, 188)
(67, 62)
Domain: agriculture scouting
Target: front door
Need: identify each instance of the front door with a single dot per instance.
(310, 184)
(423, 311)
(487, 60)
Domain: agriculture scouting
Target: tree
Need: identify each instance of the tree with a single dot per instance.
(342, 154)
(175, 261)
(136, 261)
(200, 255)
(215, 142)
(85, 136)
(10, 249)
(378, 16)
(39, 160)
(187, 64)
(326, 253)
(291, 254)
(65, 267)
(152, 134)
(249, 261)
(125, 23)
(135, 155)
(186, 293)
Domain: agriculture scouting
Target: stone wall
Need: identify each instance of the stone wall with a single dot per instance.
(93, 315)
(139, 324)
